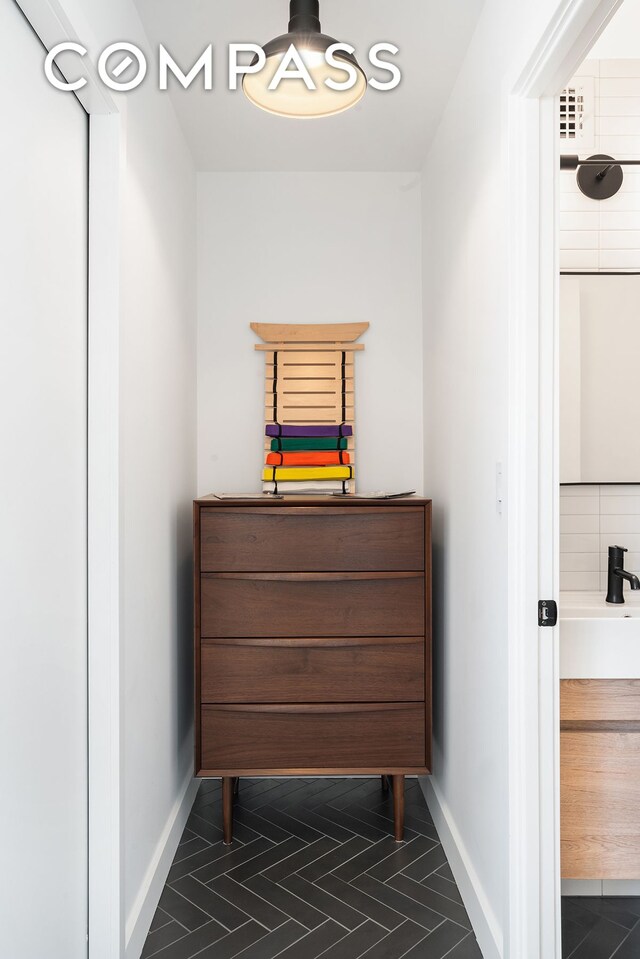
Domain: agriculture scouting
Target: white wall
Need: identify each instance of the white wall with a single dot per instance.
(158, 482)
(43, 544)
(309, 248)
(157, 462)
(466, 265)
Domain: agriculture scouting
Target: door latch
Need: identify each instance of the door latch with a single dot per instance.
(547, 612)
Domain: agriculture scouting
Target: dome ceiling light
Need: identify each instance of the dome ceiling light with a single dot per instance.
(306, 74)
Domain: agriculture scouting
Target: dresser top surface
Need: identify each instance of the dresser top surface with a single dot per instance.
(328, 501)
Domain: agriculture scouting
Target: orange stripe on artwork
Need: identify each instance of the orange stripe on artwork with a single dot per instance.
(320, 458)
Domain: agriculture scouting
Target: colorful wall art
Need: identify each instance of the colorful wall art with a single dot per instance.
(309, 406)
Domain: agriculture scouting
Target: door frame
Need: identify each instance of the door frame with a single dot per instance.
(533, 481)
(55, 21)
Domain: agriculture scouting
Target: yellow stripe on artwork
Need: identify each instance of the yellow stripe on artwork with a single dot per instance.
(284, 473)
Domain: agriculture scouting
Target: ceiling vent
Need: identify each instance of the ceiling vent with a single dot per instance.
(577, 107)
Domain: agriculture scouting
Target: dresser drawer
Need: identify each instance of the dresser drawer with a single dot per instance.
(312, 604)
(313, 737)
(312, 538)
(370, 669)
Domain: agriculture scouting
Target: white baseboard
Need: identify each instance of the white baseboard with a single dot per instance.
(485, 925)
(146, 902)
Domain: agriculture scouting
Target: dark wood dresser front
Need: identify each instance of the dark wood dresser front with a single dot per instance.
(312, 640)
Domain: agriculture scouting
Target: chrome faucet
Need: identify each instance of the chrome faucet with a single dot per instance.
(617, 575)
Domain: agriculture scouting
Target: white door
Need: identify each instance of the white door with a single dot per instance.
(43, 506)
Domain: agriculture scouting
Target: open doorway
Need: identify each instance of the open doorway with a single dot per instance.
(599, 522)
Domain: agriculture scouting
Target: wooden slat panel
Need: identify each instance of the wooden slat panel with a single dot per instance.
(592, 700)
(378, 669)
(308, 371)
(309, 357)
(600, 798)
(309, 332)
(307, 414)
(327, 736)
(317, 384)
(308, 347)
(295, 400)
(300, 411)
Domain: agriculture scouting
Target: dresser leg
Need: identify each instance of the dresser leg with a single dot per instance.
(227, 809)
(398, 807)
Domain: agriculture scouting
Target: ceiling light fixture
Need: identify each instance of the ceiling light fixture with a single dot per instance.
(338, 81)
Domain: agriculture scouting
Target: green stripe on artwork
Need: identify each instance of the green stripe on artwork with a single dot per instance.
(308, 443)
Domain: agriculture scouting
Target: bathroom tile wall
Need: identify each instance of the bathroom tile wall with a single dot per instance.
(592, 518)
(605, 234)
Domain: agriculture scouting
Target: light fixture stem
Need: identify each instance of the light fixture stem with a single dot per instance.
(305, 16)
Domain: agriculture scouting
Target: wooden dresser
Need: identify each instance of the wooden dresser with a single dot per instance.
(312, 640)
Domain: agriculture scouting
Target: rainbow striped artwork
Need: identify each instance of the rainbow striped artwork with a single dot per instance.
(309, 409)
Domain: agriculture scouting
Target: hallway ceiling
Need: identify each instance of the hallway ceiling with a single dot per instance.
(386, 131)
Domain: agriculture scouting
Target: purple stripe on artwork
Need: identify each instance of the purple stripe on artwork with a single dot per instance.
(274, 429)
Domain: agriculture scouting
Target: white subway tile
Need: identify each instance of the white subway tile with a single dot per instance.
(631, 560)
(620, 259)
(579, 239)
(620, 126)
(579, 260)
(631, 181)
(619, 86)
(615, 524)
(579, 543)
(589, 504)
(620, 68)
(630, 541)
(579, 581)
(620, 239)
(619, 106)
(619, 505)
(588, 68)
(623, 67)
(622, 202)
(619, 146)
(579, 562)
(604, 578)
(580, 489)
(629, 220)
(581, 220)
(574, 200)
(579, 523)
(567, 181)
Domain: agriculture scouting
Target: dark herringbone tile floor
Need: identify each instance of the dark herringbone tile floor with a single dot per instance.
(313, 871)
(594, 928)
